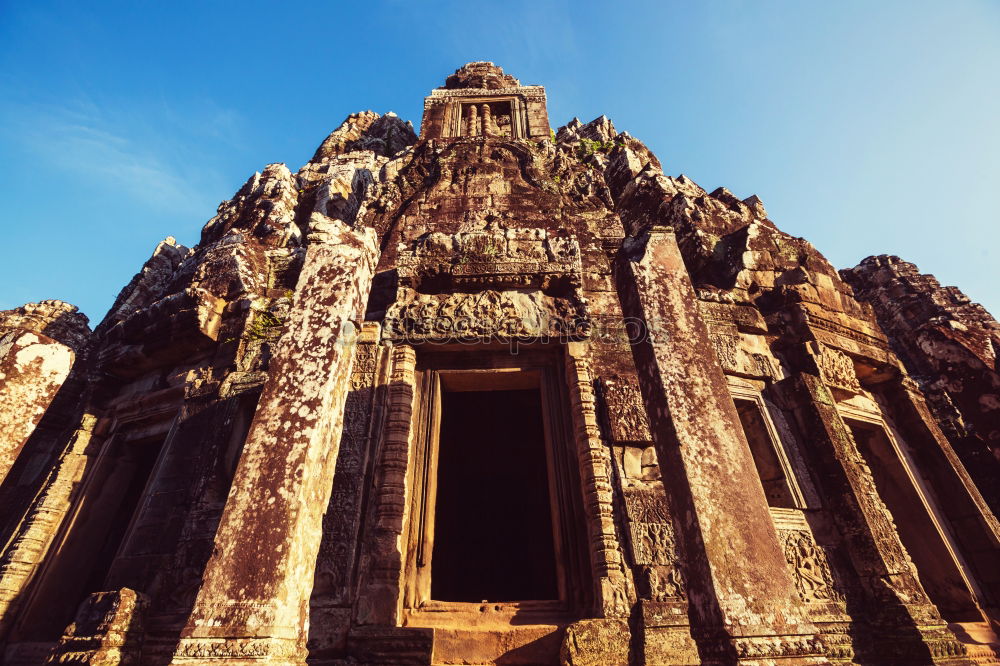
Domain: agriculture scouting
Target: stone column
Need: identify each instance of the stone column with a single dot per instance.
(380, 597)
(611, 586)
(605, 640)
(472, 122)
(905, 623)
(32, 368)
(742, 598)
(488, 126)
(253, 604)
(27, 548)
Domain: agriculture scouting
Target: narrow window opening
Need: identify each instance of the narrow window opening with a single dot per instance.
(487, 118)
(765, 455)
(493, 537)
(935, 563)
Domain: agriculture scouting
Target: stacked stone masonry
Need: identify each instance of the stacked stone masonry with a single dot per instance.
(498, 394)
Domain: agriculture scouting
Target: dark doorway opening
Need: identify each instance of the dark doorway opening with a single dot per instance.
(140, 458)
(493, 537)
(82, 561)
(939, 573)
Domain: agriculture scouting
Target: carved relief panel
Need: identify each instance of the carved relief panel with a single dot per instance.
(810, 569)
(341, 524)
(488, 285)
(624, 411)
(837, 369)
(653, 542)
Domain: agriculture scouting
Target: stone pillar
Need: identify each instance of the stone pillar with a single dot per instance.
(32, 368)
(912, 414)
(253, 604)
(905, 624)
(612, 588)
(472, 122)
(106, 630)
(380, 597)
(742, 598)
(975, 530)
(24, 552)
(488, 126)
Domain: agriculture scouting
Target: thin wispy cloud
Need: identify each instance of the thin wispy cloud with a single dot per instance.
(123, 151)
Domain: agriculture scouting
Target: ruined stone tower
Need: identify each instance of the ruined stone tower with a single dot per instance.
(499, 395)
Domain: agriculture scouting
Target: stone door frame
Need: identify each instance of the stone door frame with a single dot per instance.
(540, 370)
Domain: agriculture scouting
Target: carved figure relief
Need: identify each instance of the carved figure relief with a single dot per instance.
(653, 543)
(623, 410)
(662, 583)
(727, 347)
(488, 314)
(837, 369)
(810, 569)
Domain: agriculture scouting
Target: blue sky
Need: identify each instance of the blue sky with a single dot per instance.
(866, 127)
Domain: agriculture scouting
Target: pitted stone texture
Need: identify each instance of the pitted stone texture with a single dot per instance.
(489, 217)
(32, 369)
(54, 319)
(257, 589)
(693, 419)
(264, 207)
(948, 343)
(596, 643)
(367, 131)
(480, 75)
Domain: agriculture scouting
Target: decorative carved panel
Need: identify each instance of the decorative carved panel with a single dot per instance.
(488, 285)
(341, 524)
(624, 411)
(810, 569)
(484, 315)
(653, 542)
(837, 369)
(503, 258)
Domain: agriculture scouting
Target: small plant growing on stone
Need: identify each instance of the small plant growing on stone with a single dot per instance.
(261, 326)
(591, 146)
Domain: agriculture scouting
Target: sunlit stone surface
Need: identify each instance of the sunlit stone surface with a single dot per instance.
(499, 394)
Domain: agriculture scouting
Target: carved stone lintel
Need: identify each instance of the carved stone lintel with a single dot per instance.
(485, 315)
(241, 382)
(503, 258)
(209, 649)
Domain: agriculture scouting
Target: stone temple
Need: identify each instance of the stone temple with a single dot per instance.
(498, 394)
